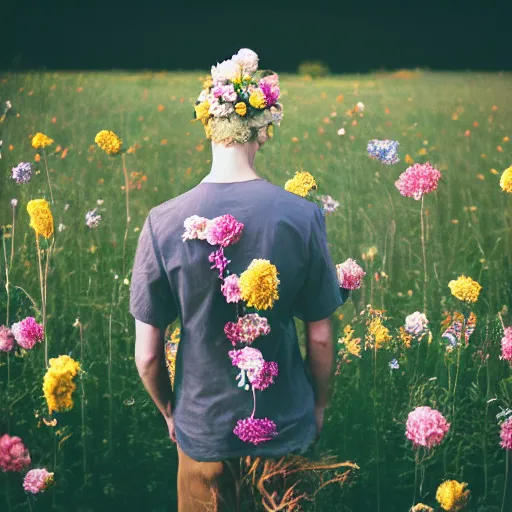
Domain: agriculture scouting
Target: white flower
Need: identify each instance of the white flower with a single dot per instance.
(8, 105)
(203, 96)
(66, 208)
(224, 71)
(416, 323)
(247, 60)
(14, 202)
(61, 227)
(360, 106)
(126, 282)
(99, 202)
(92, 219)
(341, 131)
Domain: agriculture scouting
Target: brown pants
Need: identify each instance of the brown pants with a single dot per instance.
(208, 486)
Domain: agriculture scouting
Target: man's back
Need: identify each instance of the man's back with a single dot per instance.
(173, 279)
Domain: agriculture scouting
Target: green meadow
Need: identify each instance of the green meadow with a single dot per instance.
(111, 451)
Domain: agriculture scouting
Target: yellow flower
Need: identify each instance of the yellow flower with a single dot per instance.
(405, 337)
(353, 345)
(422, 151)
(171, 349)
(452, 496)
(58, 385)
(258, 284)
(202, 110)
(270, 131)
(40, 140)
(41, 218)
(208, 82)
(506, 180)
(464, 288)
(301, 184)
(420, 507)
(257, 99)
(408, 160)
(241, 108)
(175, 336)
(379, 333)
(109, 142)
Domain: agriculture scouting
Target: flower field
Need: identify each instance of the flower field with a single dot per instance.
(418, 170)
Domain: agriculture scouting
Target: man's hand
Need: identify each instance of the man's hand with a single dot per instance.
(172, 430)
(319, 415)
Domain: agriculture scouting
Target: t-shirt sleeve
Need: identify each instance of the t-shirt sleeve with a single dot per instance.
(320, 295)
(151, 297)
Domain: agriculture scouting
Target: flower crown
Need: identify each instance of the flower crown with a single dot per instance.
(237, 100)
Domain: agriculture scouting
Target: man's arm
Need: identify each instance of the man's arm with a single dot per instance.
(150, 361)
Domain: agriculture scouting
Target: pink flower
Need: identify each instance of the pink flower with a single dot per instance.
(506, 344)
(247, 328)
(27, 332)
(506, 434)
(224, 230)
(220, 262)
(230, 288)
(247, 358)
(37, 480)
(271, 80)
(270, 91)
(417, 180)
(263, 378)
(6, 339)
(426, 427)
(350, 274)
(226, 92)
(13, 454)
(195, 227)
(255, 431)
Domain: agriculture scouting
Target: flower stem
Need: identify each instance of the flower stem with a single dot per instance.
(416, 464)
(43, 302)
(12, 236)
(506, 481)
(425, 278)
(128, 218)
(48, 175)
(82, 389)
(254, 401)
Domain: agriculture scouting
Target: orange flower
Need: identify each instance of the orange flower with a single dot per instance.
(467, 133)
(295, 139)
(54, 120)
(160, 108)
(37, 157)
(79, 89)
(494, 108)
(480, 176)
(386, 110)
(163, 142)
(408, 160)
(499, 149)
(506, 139)
(11, 147)
(340, 98)
(475, 124)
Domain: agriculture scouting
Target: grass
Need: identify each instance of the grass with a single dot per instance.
(111, 450)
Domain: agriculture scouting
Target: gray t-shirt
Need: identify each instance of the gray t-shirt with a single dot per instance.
(173, 279)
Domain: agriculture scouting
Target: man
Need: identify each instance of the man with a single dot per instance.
(172, 278)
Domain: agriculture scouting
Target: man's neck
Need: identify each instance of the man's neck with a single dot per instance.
(232, 164)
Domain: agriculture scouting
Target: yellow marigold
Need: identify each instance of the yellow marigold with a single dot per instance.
(464, 288)
(379, 332)
(58, 384)
(258, 284)
(270, 131)
(420, 507)
(301, 184)
(452, 496)
(257, 99)
(41, 218)
(202, 110)
(109, 142)
(171, 349)
(175, 336)
(506, 180)
(241, 108)
(40, 140)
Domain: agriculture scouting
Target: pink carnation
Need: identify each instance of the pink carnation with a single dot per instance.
(224, 230)
(231, 289)
(506, 434)
(195, 227)
(13, 454)
(426, 427)
(247, 358)
(247, 329)
(350, 274)
(220, 262)
(506, 344)
(255, 431)
(6, 339)
(261, 379)
(417, 180)
(28, 332)
(226, 92)
(37, 480)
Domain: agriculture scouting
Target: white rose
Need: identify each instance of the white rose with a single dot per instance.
(247, 60)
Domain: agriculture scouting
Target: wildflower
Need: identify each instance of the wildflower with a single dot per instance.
(58, 385)
(426, 427)
(359, 107)
(195, 227)
(378, 332)
(224, 230)
(220, 262)
(257, 99)
(506, 344)
(417, 180)
(231, 289)
(386, 151)
(405, 337)
(255, 431)
(341, 132)
(247, 328)
(14, 202)
(259, 283)
(301, 184)
(393, 364)
(241, 108)
(27, 332)
(37, 480)
(416, 323)
(420, 507)
(6, 339)
(22, 172)
(61, 227)
(329, 205)
(92, 220)
(40, 140)
(350, 274)
(109, 142)
(506, 434)
(465, 289)
(41, 219)
(13, 454)
(506, 180)
(452, 496)
(353, 345)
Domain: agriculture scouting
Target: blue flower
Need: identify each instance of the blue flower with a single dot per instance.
(22, 172)
(393, 364)
(386, 151)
